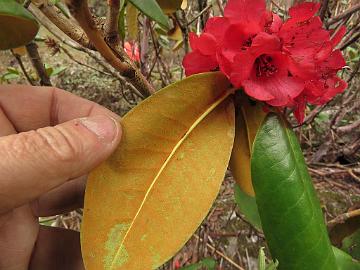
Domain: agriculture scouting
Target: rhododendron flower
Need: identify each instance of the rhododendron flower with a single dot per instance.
(287, 63)
(132, 50)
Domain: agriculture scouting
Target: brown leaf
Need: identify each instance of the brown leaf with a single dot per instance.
(144, 203)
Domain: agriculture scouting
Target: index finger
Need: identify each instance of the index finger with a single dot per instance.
(29, 107)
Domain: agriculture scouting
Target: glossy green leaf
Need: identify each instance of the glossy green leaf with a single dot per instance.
(152, 9)
(290, 212)
(248, 207)
(345, 261)
(17, 25)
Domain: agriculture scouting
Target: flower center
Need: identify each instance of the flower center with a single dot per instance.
(264, 66)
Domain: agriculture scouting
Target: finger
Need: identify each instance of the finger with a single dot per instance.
(6, 128)
(65, 198)
(57, 249)
(31, 108)
(35, 162)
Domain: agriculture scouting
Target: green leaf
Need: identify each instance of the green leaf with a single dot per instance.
(345, 261)
(17, 25)
(290, 212)
(248, 207)
(262, 259)
(132, 21)
(207, 263)
(152, 9)
(121, 23)
(351, 244)
(273, 266)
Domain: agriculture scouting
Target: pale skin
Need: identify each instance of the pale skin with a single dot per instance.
(49, 141)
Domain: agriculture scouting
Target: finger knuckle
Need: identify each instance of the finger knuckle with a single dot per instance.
(59, 144)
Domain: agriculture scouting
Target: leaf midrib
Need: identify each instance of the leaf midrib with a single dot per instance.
(172, 153)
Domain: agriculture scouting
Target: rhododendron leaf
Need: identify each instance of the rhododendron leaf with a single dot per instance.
(290, 212)
(145, 202)
(248, 120)
(170, 6)
(151, 9)
(132, 21)
(17, 25)
(351, 244)
(345, 261)
(248, 207)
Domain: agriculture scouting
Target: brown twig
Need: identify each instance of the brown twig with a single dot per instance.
(346, 13)
(111, 23)
(64, 24)
(220, 5)
(323, 9)
(220, 254)
(353, 39)
(343, 217)
(115, 56)
(69, 42)
(349, 128)
(21, 64)
(181, 20)
(199, 15)
(33, 53)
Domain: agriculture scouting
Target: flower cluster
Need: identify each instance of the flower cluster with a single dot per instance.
(285, 64)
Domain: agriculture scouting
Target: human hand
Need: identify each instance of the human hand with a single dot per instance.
(50, 139)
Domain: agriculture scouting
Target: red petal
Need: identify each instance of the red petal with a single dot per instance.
(235, 37)
(338, 36)
(265, 43)
(195, 62)
(324, 52)
(193, 39)
(283, 89)
(333, 63)
(206, 43)
(304, 11)
(300, 107)
(248, 12)
(217, 26)
(225, 62)
(276, 23)
(241, 68)
(257, 90)
(334, 86)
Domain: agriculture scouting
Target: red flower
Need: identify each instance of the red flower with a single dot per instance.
(132, 50)
(282, 64)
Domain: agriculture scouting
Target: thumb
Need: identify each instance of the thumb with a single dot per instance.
(34, 162)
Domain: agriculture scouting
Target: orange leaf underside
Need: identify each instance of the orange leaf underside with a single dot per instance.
(143, 204)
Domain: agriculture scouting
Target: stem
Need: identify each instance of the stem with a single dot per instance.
(112, 20)
(346, 13)
(114, 55)
(32, 50)
(64, 24)
(21, 64)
